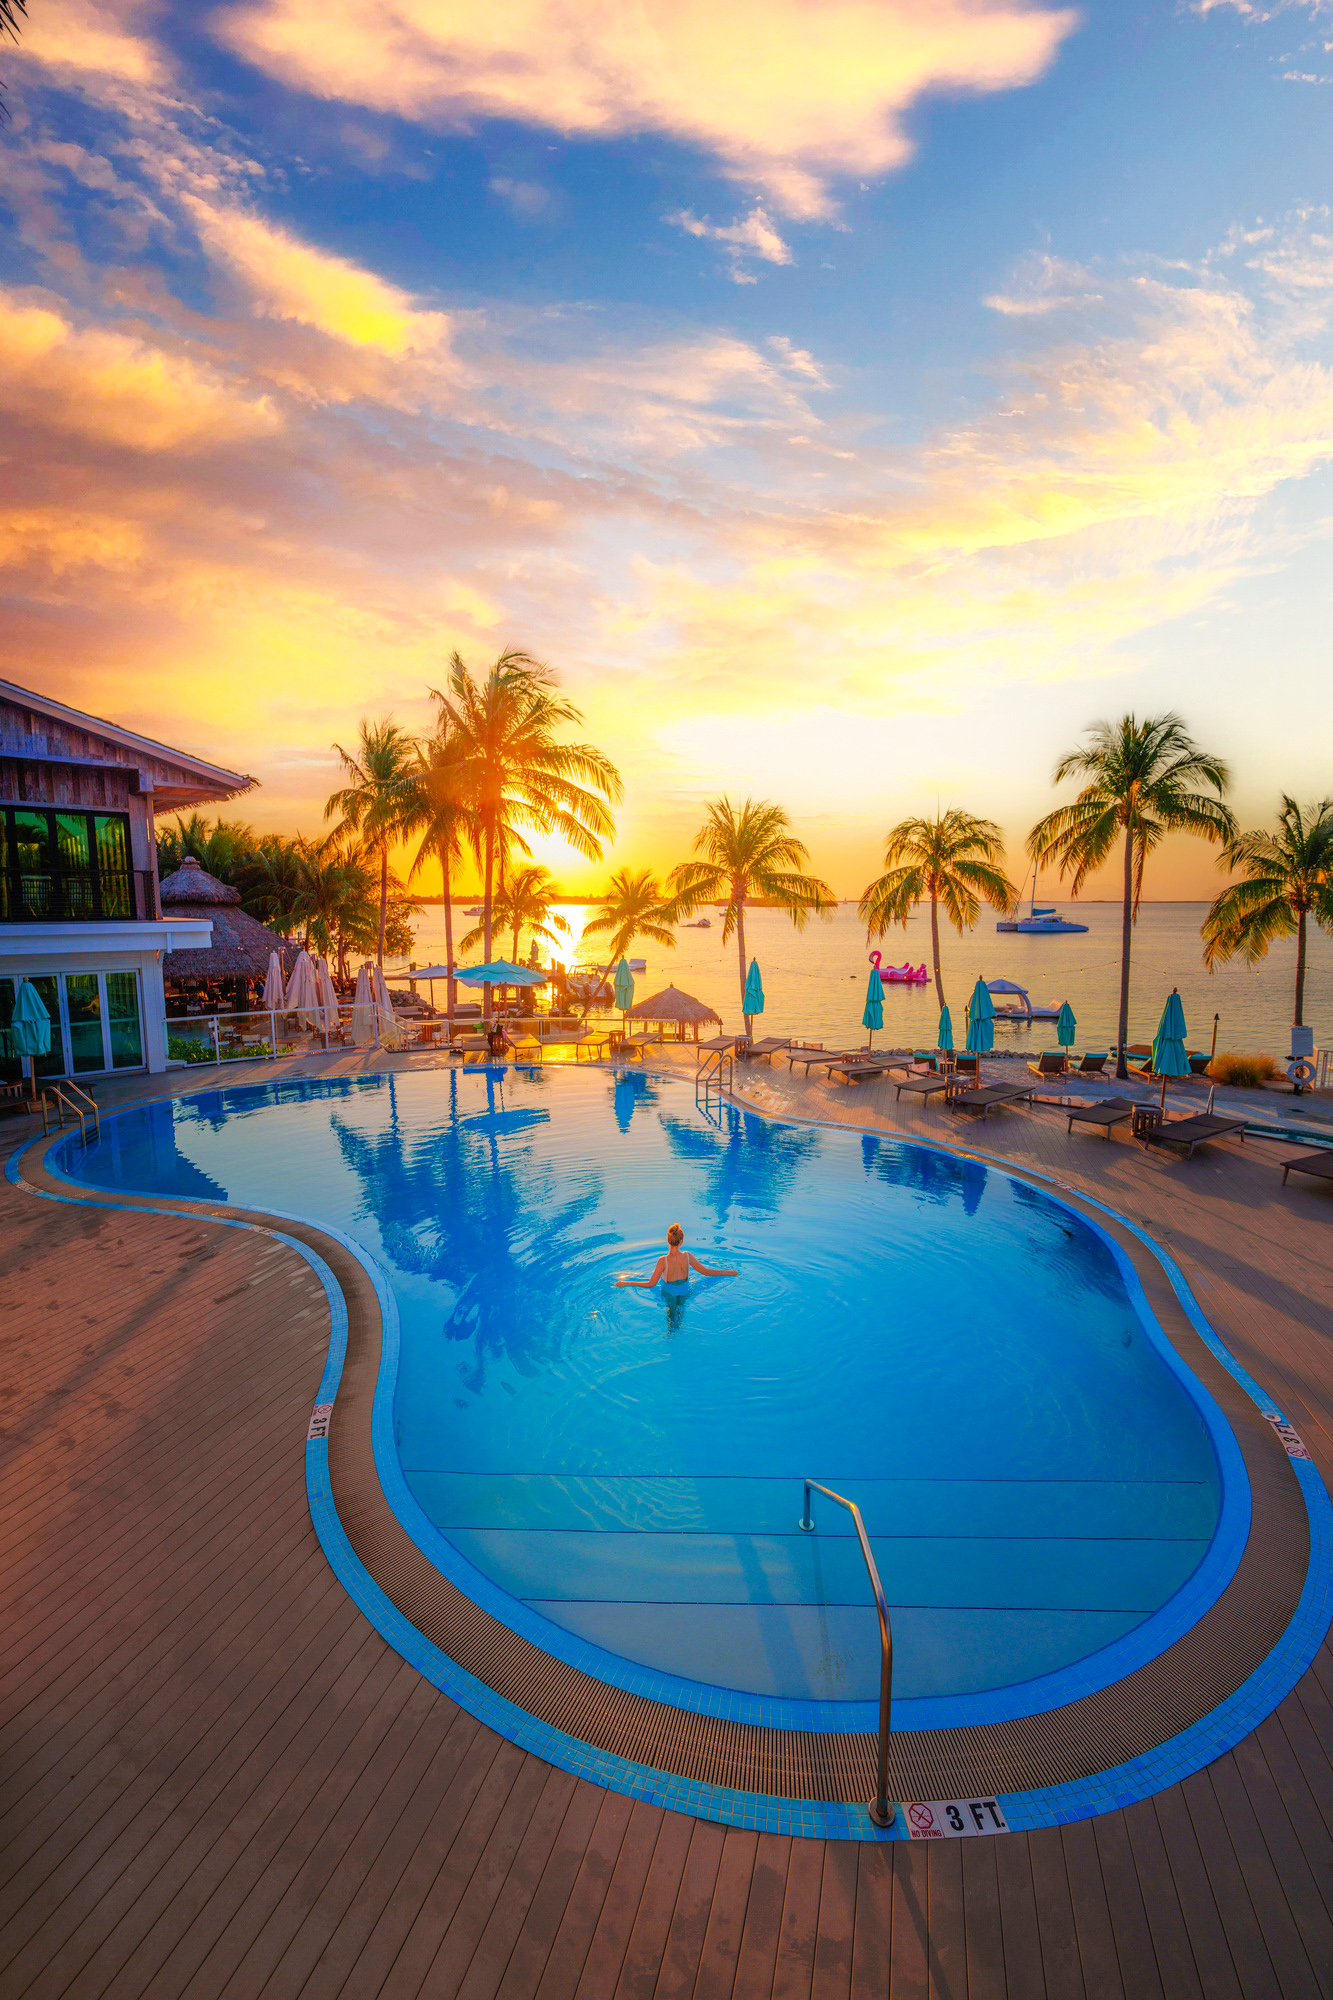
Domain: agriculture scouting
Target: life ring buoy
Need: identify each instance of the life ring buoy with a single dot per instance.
(1301, 1072)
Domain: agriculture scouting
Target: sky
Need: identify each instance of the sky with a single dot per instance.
(851, 400)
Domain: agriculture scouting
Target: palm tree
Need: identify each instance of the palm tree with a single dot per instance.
(954, 859)
(442, 812)
(224, 846)
(524, 904)
(749, 853)
(1287, 877)
(634, 907)
(379, 798)
(1145, 779)
(520, 775)
(271, 880)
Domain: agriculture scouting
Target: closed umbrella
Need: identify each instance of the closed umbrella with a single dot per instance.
(944, 1034)
(873, 1017)
(1168, 1048)
(980, 1021)
(328, 994)
(624, 989)
(363, 1010)
(1066, 1027)
(30, 1029)
(302, 996)
(752, 1000)
(273, 987)
(384, 1016)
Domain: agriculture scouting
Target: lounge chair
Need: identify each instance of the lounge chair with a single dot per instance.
(849, 1068)
(718, 1044)
(1111, 1111)
(921, 1086)
(1192, 1132)
(1319, 1163)
(771, 1046)
(814, 1058)
(1051, 1062)
(989, 1097)
(966, 1065)
(1091, 1065)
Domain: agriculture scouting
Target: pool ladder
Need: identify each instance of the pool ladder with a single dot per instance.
(67, 1100)
(714, 1075)
(881, 1812)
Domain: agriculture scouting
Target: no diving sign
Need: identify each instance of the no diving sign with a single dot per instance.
(952, 1819)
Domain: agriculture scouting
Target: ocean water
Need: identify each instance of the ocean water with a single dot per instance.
(815, 980)
(943, 1344)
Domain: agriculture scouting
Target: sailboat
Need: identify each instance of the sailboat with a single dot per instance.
(1041, 920)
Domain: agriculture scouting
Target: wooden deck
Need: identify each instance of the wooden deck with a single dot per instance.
(215, 1777)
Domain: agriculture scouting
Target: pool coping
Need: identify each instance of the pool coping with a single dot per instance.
(1087, 1756)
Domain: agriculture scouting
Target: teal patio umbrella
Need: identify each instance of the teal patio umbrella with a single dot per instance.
(1066, 1027)
(944, 1033)
(873, 1016)
(980, 1021)
(752, 1001)
(1168, 1048)
(624, 989)
(30, 1029)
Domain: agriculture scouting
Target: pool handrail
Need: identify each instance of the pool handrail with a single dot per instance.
(881, 1812)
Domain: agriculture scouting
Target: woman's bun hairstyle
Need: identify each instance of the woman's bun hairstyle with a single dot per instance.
(675, 1236)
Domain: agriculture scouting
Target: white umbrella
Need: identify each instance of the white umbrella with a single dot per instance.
(327, 993)
(383, 1003)
(273, 989)
(302, 993)
(363, 1010)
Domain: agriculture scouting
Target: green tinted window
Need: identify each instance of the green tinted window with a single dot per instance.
(122, 1009)
(72, 842)
(113, 845)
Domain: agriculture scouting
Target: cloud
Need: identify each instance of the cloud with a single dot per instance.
(114, 388)
(784, 95)
(102, 38)
(287, 279)
(527, 199)
(755, 236)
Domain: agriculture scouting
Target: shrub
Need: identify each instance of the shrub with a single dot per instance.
(189, 1048)
(1245, 1072)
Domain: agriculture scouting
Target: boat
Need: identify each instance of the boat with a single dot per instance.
(479, 911)
(899, 975)
(1027, 1012)
(1042, 920)
(703, 924)
(638, 964)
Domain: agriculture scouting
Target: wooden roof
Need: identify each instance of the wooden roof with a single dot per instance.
(35, 730)
(673, 1005)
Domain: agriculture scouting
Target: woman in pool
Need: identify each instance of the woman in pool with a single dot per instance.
(676, 1266)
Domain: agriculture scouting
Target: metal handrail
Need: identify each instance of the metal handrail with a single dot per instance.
(711, 1073)
(881, 1812)
(84, 1097)
(64, 1104)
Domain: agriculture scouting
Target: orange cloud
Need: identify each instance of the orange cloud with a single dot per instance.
(100, 38)
(783, 93)
(113, 388)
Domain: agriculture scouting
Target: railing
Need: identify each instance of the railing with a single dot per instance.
(261, 1034)
(880, 1810)
(77, 1103)
(718, 1074)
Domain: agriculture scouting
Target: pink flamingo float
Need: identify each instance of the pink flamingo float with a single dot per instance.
(899, 975)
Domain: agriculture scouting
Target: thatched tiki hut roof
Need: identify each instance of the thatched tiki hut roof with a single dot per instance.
(240, 945)
(673, 1009)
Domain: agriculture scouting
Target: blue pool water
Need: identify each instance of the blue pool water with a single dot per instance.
(947, 1346)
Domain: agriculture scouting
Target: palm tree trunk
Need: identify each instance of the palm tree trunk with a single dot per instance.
(738, 893)
(384, 897)
(1126, 937)
(486, 915)
(449, 987)
(1299, 1016)
(935, 946)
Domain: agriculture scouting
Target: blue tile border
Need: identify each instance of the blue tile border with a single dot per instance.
(1167, 1764)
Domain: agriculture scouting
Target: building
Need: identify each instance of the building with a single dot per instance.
(80, 913)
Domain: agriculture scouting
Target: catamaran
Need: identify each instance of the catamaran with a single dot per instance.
(1041, 920)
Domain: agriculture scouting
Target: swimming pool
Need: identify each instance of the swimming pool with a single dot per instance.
(1051, 1496)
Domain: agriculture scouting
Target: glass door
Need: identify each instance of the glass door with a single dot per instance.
(122, 1020)
(84, 1011)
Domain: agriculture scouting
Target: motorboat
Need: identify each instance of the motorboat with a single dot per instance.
(478, 911)
(702, 924)
(637, 964)
(1025, 1012)
(1042, 920)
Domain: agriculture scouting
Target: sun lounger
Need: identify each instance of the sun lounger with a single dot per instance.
(1090, 1065)
(1192, 1132)
(812, 1058)
(922, 1086)
(851, 1067)
(1319, 1163)
(717, 1045)
(1111, 1111)
(1051, 1062)
(988, 1097)
(771, 1046)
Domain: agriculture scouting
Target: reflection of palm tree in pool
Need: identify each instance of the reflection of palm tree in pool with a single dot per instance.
(750, 1161)
(470, 1206)
(939, 1177)
(632, 1091)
